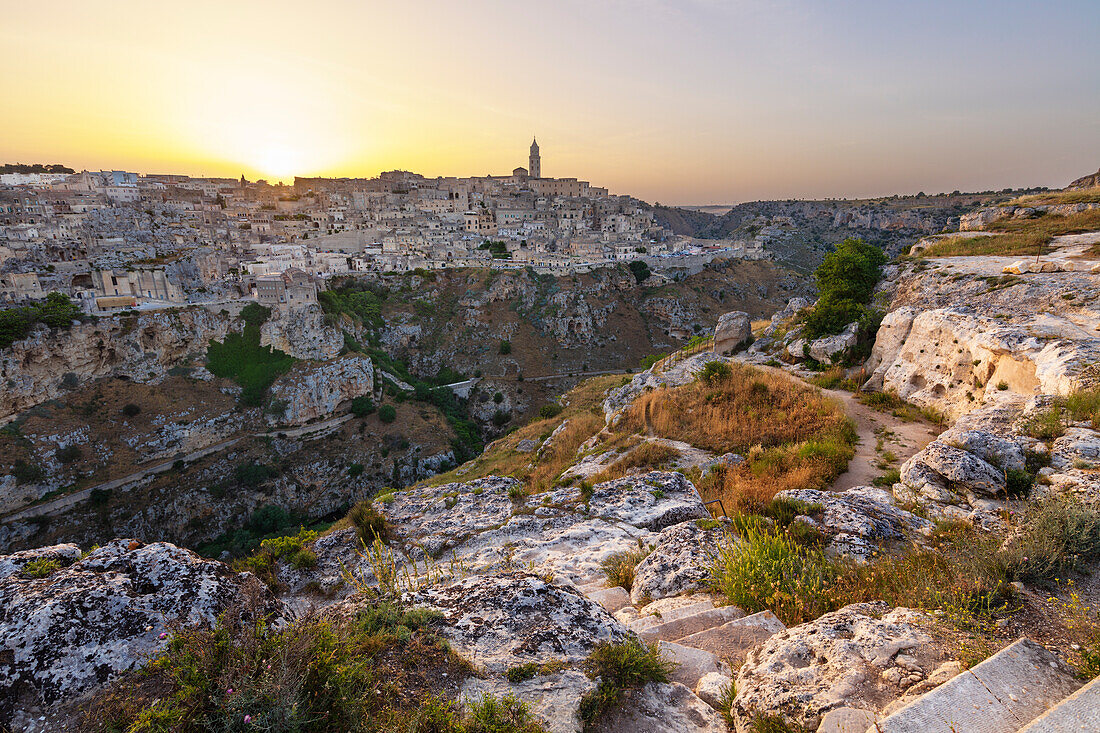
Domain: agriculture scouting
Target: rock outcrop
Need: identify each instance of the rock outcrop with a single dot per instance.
(863, 656)
(69, 629)
(680, 562)
(315, 391)
(733, 331)
(302, 333)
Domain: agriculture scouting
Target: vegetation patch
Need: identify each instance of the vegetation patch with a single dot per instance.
(619, 667)
(846, 280)
(241, 358)
(56, 312)
(1017, 236)
(619, 567)
(380, 669)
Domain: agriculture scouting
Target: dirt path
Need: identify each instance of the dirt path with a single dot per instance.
(900, 439)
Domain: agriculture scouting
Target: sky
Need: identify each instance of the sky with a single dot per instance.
(676, 101)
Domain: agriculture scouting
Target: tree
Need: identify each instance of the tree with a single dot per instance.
(387, 413)
(640, 270)
(362, 406)
(846, 281)
(505, 348)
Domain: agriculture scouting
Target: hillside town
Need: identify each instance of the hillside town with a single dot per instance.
(120, 240)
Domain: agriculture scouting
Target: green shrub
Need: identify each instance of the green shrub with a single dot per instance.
(355, 470)
(550, 411)
(56, 311)
(369, 523)
(40, 568)
(714, 372)
(1054, 535)
(504, 715)
(362, 406)
(289, 545)
(241, 358)
(387, 413)
(501, 418)
(768, 569)
(1018, 483)
(130, 410)
(1085, 405)
(69, 453)
(619, 667)
(1046, 424)
(505, 348)
(640, 270)
(253, 474)
(498, 397)
(846, 280)
(27, 473)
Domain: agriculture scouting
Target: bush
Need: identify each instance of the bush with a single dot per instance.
(362, 406)
(355, 470)
(640, 270)
(846, 281)
(241, 358)
(767, 569)
(40, 568)
(550, 411)
(619, 568)
(1053, 536)
(56, 311)
(714, 372)
(130, 410)
(253, 474)
(620, 667)
(1045, 424)
(387, 413)
(501, 418)
(27, 473)
(369, 523)
(498, 398)
(505, 348)
(69, 453)
(372, 670)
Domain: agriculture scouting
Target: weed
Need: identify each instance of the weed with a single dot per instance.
(619, 667)
(370, 524)
(619, 568)
(40, 568)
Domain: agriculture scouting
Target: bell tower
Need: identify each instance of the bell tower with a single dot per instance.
(535, 164)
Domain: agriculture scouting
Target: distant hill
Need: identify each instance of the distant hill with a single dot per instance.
(1089, 181)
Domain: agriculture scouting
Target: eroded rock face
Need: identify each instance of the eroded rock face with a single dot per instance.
(680, 562)
(81, 625)
(316, 391)
(863, 656)
(858, 521)
(500, 621)
(302, 333)
(653, 500)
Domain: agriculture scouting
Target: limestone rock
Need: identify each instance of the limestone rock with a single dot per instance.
(653, 500)
(965, 471)
(500, 621)
(554, 699)
(734, 329)
(83, 624)
(63, 555)
(312, 392)
(859, 520)
(713, 689)
(663, 708)
(302, 333)
(835, 661)
(826, 348)
(679, 563)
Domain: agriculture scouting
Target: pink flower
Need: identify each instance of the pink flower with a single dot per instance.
(248, 718)
(229, 691)
(163, 635)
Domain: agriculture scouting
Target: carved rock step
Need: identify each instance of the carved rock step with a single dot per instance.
(650, 620)
(612, 599)
(731, 641)
(676, 629)
(1078, 712)
(1000, 695)
(691, 664)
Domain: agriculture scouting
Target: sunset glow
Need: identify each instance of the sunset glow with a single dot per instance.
(692, 101)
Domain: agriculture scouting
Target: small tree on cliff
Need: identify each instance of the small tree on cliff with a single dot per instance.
(846, 280)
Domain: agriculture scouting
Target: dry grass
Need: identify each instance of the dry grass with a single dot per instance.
(1017, 236)
(748, 408)
(584, 414)
(649, 455)
(1086, 196)
(792, 436)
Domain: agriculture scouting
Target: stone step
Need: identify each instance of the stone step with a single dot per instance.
(677, 629)
(590, 586)
(691, 664)
(612, 599)
(1078, 712)
(648, 621)
(1000, 695)
(731, 641)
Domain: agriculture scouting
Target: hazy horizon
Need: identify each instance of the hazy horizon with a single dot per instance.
(698, 102)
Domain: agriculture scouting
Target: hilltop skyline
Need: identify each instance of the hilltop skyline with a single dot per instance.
(684, 103)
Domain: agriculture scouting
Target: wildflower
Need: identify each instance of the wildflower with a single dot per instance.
(248, 719)
(229, 691)
(163, 635)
